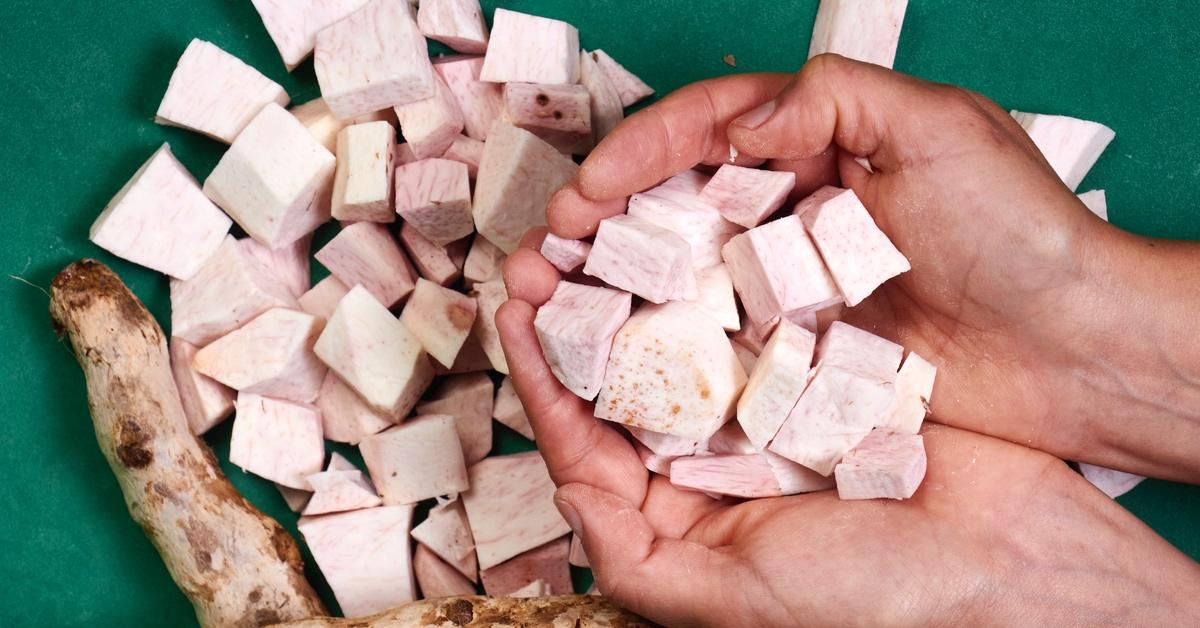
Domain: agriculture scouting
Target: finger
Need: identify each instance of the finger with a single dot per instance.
(577, 446)
(571, 215)
(533, 239)
(672, 511)
(529, 277)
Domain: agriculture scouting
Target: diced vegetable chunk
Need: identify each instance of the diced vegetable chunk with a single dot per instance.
(511, 507)
(440, 264)
(434, 196)
(436, 578)
(293, 24)
(559, 114)
(366, 254)
(417, 460)
(440, 318)
(271, 355)
(480, 102)
(1072, 146)
(1096, 203)
(446, 533)
(675, 205)
(457, 23)
(576, 328)
(467, 398)
(345, 417)
(914, 388)
(714, 289)
(747, 196)
(776, 269)
(431, 124)
(779, 377)
(468, 151)
(848, 347)
(288, 265)
(206, 402)
(885, 464)
(490, 295)
(530, 49)
(547, 563)
(484, 262)
(340, 491)
(745, 475)
(638, 256)
(277, 440)
(565, 255)
(322, 299)
(362, 188)
(365, 557)
(509, 411)
(607, 110)
(1111, 482)
(631, 88)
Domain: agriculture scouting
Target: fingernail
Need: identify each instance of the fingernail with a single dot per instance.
(757, 116)
(569, 513)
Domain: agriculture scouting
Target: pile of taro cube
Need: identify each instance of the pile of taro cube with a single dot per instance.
(733, 401)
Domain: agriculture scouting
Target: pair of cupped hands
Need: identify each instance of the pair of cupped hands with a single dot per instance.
(1056, 336)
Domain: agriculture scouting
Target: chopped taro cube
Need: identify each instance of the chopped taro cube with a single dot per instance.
(440, 264)
(511, 507)
(295, 498)
(537, 588)
(531, 49)
(559, 114)
(866, 30)
(576, 328)
(440, 318)
(277, 440)
(229, 290)
(437, 578)
(362, 187)
(340, 491)
(914, 389)
(682, 187)
(324, 126)
(547, 563)
(1096, 203)
(779, 377)
(468, 398)
(293, 25)
(322, 299)
(366, 254)
(271, 355)
(666, 444)
(490, 295)
(445, 532)
(480, 102)
(576, 556)
(776, 269)
(848, 347)
(1071, 145)
(375, 354)
(509, 411)
(466, 150)
(1110, 481)
(731, 439)
(745, 475)
(674, 207)
(345, 417)
(434, 196)
(755, 336)
(630, 88)
(215, 93)
(747, 196)
(565, 255)
(271, 178)
(517, 175)
(607, 110)
(288, 266)
(638, 256)
(885, 464)
(484, 262)
(431, 124)
(417, 460)
(206, 402)
(671, 370)
(457, 23)
(747, 357)
(714, 287)
(161, 219)
(365, 557)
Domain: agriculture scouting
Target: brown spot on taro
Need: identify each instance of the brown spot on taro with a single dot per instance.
(558, 115)
(543, 100)
(460, 317)
(132, 444)
(705, 393)
(255, 595)
(675, 409)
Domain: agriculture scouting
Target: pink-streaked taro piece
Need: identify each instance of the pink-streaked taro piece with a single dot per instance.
(271, 355)
(206, 402)
(293, 24)
(322, 299)
(885, 464)
(445, 532)
(509, 411)
(565, 255)
(630, 88)
(576, 328)
(374, 59)
(559, 114)
(654, 462)
(714, 287)
(484, 262)
(468, 151)
(530, 49)
(914, 389)
(511, 507)
(1071, 145)
(437, 578)
(362, 187)
(731, 440)
(375, 354)
(851, 348)
(324, 126)
(779, 377)
(340, 491)
(1112, 482)
(490, 295)
(858, 255)
(755, 336)
(457, 23)
(776, 269)
(366, 254)
(547, 563)
(746, 475)
(1096, 203)
(747, 357)
(417, 460)
(866, 30)
(288, 266)
(576, 556)
(365, 556)
(345, 417)
(277, 440)
(606, 108)
(435, 263)
(666, 444)
(270, 177)
(638, 256)
(675, 207)
(671, 370)
(161, 220)
(468, 398)
(215, 93)
(683, 186)
(434, 196)
(440, 318)
(517, 175)
(480, 102)
(430, 125)
(747, 196)
(295, 498)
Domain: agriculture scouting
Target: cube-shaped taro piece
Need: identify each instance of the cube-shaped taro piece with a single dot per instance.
(375, 354)
(161, 220)
(457, 23)
(1071, 145)
(446, 533)
(345, 417)
(440, 264)
(517, 175)
(362, 187)
(417, 460)
(480, 102)
(565, 255)
(206, 402)
(468, 151)
(1096, 203)
(484, 262)
(366, 254)
(779, 377)
(295, 498)
(776, 269)
(848, 347)
(559, 114)
(509, 411)
(671, 370)
(666, 444)
(745, 475)
(215, 93)
(365, 557)
(288, 266)
(268, 179)
(511, 507)
(606, 108)
(576, 556)
(431, 124)
(630, 88)
(271, 355)
(277, 440)
(340, 491)
(490, 295)
(228, 291)
(1111, 482)
(714, 289)
(324, 126)
(914, 389)
(675, 207)
(468, 398)
(747, 196)
(638, 256)
(293, 25)
(885, 464)
(866, 30)
(437, 578)
(576, 328)
(547, 563)
(440, 318)
(322, 299)
(434, 196)
(530, 49)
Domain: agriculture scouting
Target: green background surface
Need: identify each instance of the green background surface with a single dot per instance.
(81, 82)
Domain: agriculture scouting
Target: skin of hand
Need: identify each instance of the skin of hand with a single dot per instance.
(1049, 327)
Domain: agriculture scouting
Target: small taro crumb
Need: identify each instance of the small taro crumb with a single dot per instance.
(730, 61)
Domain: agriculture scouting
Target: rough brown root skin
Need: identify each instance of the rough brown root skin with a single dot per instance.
(569, 611)
(238, 566)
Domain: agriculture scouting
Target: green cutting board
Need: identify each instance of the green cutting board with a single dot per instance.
(82, 79)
